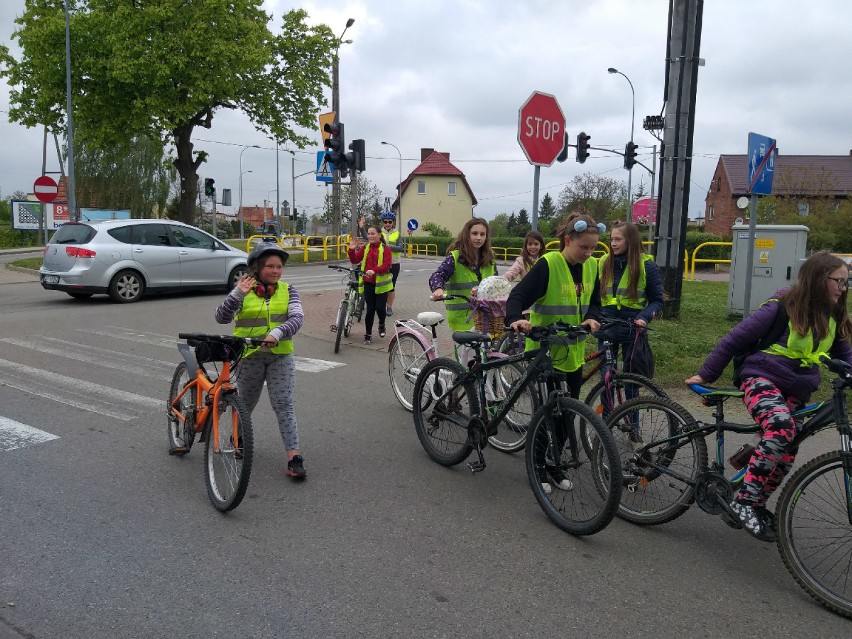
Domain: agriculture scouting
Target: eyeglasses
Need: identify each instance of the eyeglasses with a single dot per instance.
(842, 283)
(387, 222)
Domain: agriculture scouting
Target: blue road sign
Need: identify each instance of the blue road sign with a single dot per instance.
(761, 163)
(412, 224)
(325, 170)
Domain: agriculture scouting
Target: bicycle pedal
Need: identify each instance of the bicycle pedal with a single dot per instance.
(178, 450)
(334, 328)
(476, 466)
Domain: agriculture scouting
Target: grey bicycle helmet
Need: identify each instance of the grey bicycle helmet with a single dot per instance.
(266, 248)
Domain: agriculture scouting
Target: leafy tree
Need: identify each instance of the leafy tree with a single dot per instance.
(499, 226)
(436, 230)
(368, 203)
(603, 197)
(159, 68)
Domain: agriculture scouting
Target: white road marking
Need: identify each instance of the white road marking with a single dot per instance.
(17, 435)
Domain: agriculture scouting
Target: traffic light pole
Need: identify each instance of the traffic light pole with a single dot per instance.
(353, 201)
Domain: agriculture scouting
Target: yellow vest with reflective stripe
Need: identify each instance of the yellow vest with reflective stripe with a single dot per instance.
(391, 238)
(620, 298)
(384, 282)
(560, 302)
(462, 283)
(802, 348)
(257, 319)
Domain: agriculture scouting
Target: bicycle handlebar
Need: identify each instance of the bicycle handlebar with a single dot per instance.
(838, 367)
(345, 269)
(194, 339)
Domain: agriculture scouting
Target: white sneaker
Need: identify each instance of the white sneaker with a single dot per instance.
(565, 484)
(546, 487)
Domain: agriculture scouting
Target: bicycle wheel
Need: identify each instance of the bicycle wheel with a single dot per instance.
(814, 533)
(623, 387)
(227, 467)
(440, 416)
(350, 315)
(359, 307)
(656, 496)
(341, 321)
(181, 433)
(405, 360)
(563, 480)
(510, 343)
(511, 435)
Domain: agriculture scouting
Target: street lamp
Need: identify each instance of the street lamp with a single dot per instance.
(335, 106)
(632, 118)
(398, 188)
(240, 212)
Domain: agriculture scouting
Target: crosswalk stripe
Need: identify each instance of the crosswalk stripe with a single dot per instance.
(17, 435)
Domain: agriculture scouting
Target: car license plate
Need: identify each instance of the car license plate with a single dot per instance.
(50, 279)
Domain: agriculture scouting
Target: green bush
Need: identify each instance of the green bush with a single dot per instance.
(694, 238)
(13, 238)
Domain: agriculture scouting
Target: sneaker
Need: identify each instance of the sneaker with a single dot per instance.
(768, 519)
(296, 468)
(546, 487)
(367, 340)
(754, 523)
(389, 311)
(381, 331)
(560, 481)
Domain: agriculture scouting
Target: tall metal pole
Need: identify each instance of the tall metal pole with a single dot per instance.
(398, 188)
(293, 176)
(277, 191)
(632, 122)
(653, 214)
(72, 198)
(335, 106)
(240, 210)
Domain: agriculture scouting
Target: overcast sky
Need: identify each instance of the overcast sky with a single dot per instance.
(451, 75)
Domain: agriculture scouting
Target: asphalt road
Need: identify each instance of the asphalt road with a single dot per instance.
(102, 534)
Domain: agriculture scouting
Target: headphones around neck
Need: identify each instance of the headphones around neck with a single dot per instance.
(265, 290)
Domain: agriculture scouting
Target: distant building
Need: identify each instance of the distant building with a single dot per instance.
(255, 215)
(436, 191)
(803, 177)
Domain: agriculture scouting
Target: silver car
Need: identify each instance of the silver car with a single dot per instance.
(126, 258)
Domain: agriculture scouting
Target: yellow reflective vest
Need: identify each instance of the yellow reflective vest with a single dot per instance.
(257, 318)
(620, 299)
(462, 283)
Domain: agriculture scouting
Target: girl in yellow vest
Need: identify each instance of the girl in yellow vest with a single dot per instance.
(564, 287)
(631, 289)
(375, 259)
(780, 379)
(265, 307)
(469, 260)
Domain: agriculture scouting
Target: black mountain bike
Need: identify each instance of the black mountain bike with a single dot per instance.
(454, 416)
(665, 469)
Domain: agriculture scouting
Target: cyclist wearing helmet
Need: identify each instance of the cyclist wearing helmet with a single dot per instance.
(394, 241)
(265, 307)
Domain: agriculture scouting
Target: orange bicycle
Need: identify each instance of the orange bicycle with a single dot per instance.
(208, 404)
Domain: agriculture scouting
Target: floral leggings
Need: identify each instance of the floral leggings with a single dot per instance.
(774, 456)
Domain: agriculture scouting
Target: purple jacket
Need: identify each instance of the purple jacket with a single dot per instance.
(787, 374)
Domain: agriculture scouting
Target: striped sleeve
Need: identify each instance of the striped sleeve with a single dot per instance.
(230, 306)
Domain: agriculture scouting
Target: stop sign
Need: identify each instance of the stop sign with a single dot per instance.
(45, 189)
(541, 128)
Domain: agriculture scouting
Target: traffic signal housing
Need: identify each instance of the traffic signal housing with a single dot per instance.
(357, 159)
(583, 147)
(209, 189)
(630, 155)
(335, 144)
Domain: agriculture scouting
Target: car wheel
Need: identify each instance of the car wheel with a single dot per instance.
(235, 276)
(126, 286)
(80, 296)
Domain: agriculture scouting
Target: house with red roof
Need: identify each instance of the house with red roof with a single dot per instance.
(435, 191)
(802, 178)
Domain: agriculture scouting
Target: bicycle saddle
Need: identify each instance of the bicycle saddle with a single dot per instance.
(429, 318)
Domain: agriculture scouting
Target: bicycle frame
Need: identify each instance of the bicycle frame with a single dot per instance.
(206, 394)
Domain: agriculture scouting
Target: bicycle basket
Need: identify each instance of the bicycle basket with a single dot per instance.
(214, 351)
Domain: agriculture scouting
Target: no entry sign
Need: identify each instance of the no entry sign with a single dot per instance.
(45, 189)
(541, 128)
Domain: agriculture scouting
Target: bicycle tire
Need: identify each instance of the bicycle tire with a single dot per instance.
(510, 343)
(623, 386)
(227, 472)
(583, 508)
(350, 313)
(341, 319)
(441, 421)
(406, 359)
(511, 435)
(359, 307)
(180, 433)
(652, 497)
(814, 533)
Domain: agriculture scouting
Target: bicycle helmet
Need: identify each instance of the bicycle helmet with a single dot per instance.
(388, 215)
(266, 248)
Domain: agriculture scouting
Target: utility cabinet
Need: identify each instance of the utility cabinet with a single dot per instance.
(779, 250)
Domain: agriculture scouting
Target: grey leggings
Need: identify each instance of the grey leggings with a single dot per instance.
(279, 371)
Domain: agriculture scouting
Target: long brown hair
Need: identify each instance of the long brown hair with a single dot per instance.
(807, 300)
(567, 228)
(474, 257)
(633, 241)
(525, 254)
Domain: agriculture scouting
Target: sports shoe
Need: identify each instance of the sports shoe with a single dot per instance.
(753, 521)
(367, 340)
(389, 311)
(768, 518)
(296, 468)
(560, 481)
(381, 331)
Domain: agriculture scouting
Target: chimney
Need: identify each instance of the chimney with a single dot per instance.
(425, 153)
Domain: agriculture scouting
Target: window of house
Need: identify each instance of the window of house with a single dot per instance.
(451, 188)
(421, 187)
(710, 213)
(803, 208)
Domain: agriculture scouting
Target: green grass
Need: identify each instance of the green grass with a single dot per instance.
(31, 262)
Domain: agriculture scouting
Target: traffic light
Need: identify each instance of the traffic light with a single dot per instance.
(294, 214)
(583, 146)
(335, 144)
(357, 159)
(209, 189)
(630, 155)
(563, 154)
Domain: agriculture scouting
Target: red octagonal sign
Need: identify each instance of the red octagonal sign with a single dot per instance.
(541, 128)
(45, 188)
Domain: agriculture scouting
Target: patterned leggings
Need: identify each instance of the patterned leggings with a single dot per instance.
(774, 455)
(279, 372)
